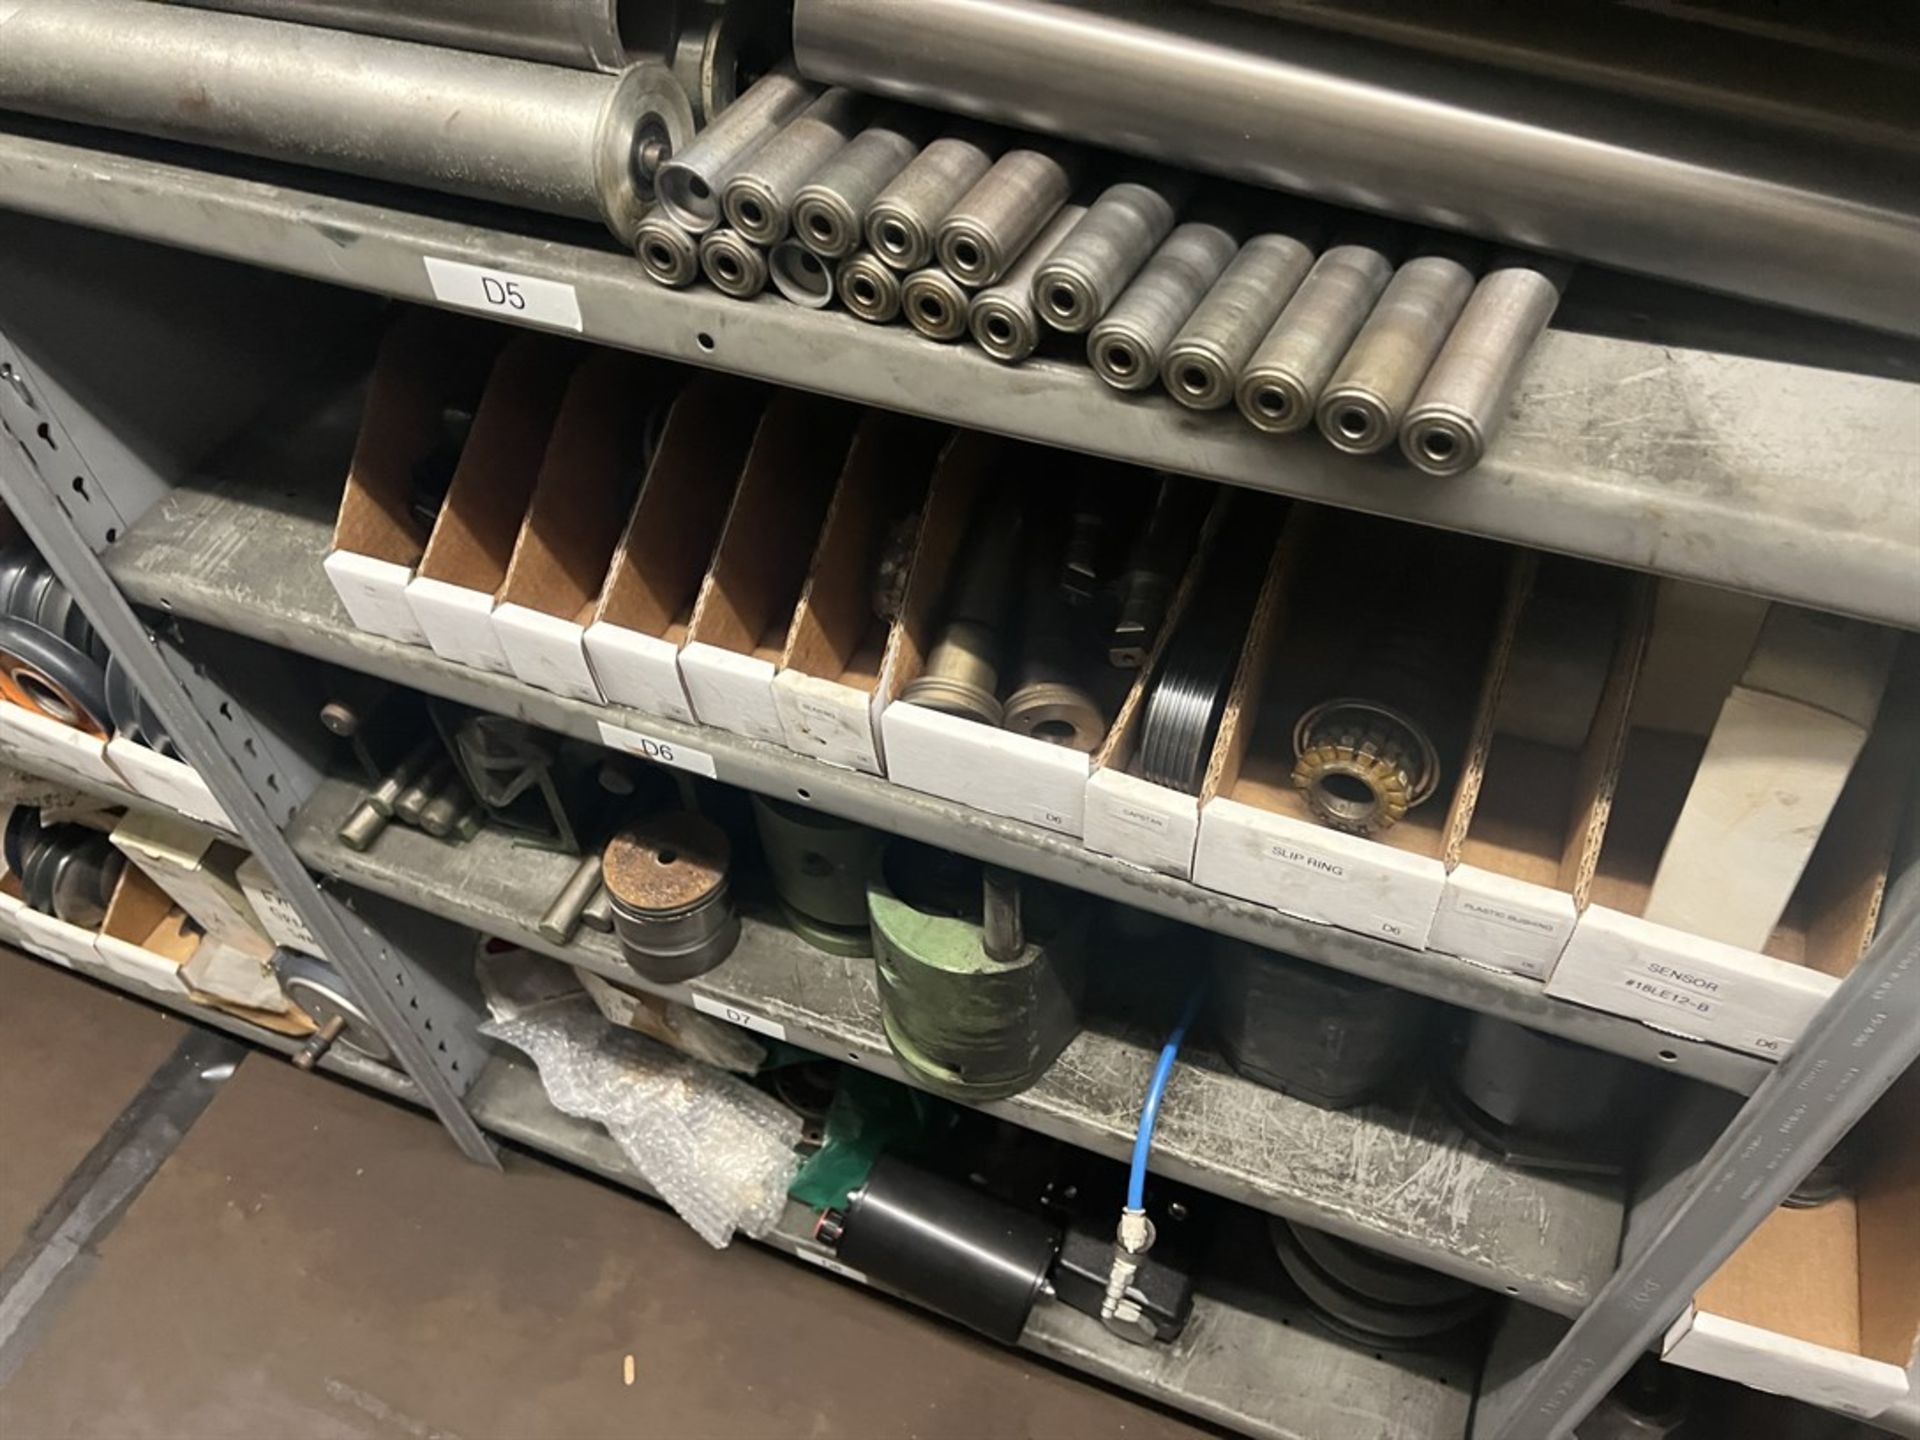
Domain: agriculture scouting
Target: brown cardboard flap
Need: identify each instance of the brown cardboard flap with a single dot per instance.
(1606, 745)
(748, 597)
(1521, 571)
(144, 915)
(427, 362)
(835, 634)
(586, 486)
(473, 539)
(670, 537)
(1797, 1275)
(1889, 1207)
(960, 478)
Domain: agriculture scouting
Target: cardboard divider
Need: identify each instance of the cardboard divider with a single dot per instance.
(146, 937)
(1758, 1002)
(747, 601)
(840, 663)
(991, 769)
(1258, 838)
(465, 564)
(1131, 817)
(427, 362)
(1523, 842)
(1823, 1304)
(588, 482)
(645, 609)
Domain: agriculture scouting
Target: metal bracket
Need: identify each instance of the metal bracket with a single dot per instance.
(423, 1020)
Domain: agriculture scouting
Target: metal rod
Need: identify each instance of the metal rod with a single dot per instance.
(562, 141)
(1087, 271)
(563, 916)
(902, 221)
(869, 288)
(1002, 316)
(732, 265)
(1002, 934)
(935, 304)
(760, 191)
(1282, 383)
(1127, 346)
(1204, 362)
(1463, 401)
(830, 210)
(993, 223)
(1793, 221)
(690, 184)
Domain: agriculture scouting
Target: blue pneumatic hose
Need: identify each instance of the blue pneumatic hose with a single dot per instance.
(1150, 1112)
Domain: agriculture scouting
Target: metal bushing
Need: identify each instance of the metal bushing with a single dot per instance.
(672, 907)
(1537, 1100)
(1435, 1305)
(49, 675)
(819, 865)
(1058, 712)
(961, 675)
(963, 1023)
(1325, 1036)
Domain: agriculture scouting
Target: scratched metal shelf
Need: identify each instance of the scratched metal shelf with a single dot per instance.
(1782, 479)
(1398, 1176)
(240, 549)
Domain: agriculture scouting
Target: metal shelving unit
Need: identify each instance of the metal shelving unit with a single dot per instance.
(1781, 480)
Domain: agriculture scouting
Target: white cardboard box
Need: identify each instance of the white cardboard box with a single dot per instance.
(170, 782)
(580, 504)
(1507, 924)
(145, 937)
(32, 737)
(466, 559)
(992, 770)
(200, 872)
(55, 940)
(10, 908)
(741, 620)
(646, 607)
(274, 912)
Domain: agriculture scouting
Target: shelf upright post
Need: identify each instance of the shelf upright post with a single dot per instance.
(73, 510)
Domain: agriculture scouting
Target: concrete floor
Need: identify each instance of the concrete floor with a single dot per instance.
(312, 1262)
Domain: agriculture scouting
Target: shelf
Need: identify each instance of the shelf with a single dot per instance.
(1786, 480)
(1252, 1361)
(107, 791)
(1400, 1177)
(241, 548)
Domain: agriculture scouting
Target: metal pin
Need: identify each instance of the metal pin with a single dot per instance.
(1001, 317)
(563, 916)
(667, 253)
(690, 184)
(902, 221)
(1207, 356)
(935, 304)
(1127, 346)
(362, 827)
(760, 190)
(1361, 408)
(829, 209)
(1282, 383)
(1463, 401)
(318, 1043)
(869, 288)
(448, 803)
(1002, 934)
(413, 799)
(1087, 271)
(598, 915)
(994, 222)
(732, 265)
(800, 275)
(383, 795)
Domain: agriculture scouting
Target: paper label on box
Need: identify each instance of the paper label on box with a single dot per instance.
(283, 923)
(827, 720)
(827, 1262)
(733, 1015)
(523, 299)
(545, 651)
(664, 752)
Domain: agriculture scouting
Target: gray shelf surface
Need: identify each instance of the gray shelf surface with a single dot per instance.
(1399, 1176)
(1789, 481)
(240, 549)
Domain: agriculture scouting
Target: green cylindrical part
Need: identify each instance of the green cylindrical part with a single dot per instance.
(819, 865)
(961, 1023)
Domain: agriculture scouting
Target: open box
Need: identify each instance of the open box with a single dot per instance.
(172, 783)
(746, 604)
(646, 606)
(465, 564)
(1259, 839)
(992, 769)
(842, 659)
(429, 363)
(1127, 815)
(589, 479)
(1524, 838)
(146, 938)
(200, 872)
(30, 737)
(1823, 1304)
(1756, 1001)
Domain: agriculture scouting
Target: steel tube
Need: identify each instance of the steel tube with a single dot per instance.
(691, 182)
(1204, 362)
(1463, 401)
(902, 221)
(830, 210)
(732, 265)
(1002, 317)
(800, 275)
(936, 304)
(1282, 383)
(561, 141)
(1087, 271)
(993, 223)
(760, 191)
(668, 254)
(1361, 408)
(869, 289)
(1127, 346)
(1792, 221)
(582, 34)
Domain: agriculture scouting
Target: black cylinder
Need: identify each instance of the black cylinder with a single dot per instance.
(973, 1258)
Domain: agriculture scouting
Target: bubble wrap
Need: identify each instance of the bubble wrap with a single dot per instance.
(716, 1149)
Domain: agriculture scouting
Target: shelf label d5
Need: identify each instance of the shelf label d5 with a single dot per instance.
(522, 299)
